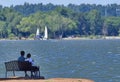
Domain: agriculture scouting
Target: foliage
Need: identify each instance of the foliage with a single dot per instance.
(62, 21)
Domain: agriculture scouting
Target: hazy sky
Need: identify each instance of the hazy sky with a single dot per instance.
(65, 2)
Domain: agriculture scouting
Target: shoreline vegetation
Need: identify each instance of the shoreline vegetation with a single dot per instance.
(94, 21)
(90, 38)
(70, 38)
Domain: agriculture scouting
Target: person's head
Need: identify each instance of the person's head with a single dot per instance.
(28, 55)
(22, 53)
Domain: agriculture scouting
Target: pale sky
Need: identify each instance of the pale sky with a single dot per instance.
(58, 2)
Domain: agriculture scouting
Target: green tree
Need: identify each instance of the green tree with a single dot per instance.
(113, 25)
(96, 22)
(3, 30)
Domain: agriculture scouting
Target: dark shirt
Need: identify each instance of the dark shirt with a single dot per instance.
(21, 58)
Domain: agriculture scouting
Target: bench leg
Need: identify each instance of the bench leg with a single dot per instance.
(13, 73)
(6, 74)
(39, 73)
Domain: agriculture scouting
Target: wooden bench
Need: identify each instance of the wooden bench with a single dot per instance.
(19, 66)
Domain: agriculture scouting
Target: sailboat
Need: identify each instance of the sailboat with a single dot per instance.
(45, 33)
(37, 34)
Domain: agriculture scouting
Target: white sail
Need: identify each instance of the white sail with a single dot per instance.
(37, 34)
(45, 34)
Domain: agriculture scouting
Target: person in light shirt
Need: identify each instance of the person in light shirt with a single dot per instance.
(28, 58)
(33, 67)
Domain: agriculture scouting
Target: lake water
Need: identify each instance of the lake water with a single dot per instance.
(98, 60)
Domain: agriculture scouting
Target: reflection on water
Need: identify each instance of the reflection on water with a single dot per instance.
(92, 59)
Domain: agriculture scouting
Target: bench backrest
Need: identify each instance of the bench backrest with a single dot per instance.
(24, 66)
(17, 66)
(12, 65)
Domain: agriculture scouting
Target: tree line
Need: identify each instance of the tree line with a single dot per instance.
(62, 21)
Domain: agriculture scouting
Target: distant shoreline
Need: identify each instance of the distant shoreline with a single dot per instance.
(88, 38)
(72, 38)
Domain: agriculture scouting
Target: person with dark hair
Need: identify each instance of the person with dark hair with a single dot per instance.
(33, 67)
(28, 58)
(22, 58)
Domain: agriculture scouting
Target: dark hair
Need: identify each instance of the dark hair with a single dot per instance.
(28, 55)
(22, 53)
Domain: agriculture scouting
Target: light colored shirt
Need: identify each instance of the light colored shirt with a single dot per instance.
(30, 60)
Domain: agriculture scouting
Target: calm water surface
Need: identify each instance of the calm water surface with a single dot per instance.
(98, 60)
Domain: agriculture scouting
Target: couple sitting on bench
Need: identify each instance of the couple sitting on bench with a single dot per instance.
(33, 68)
